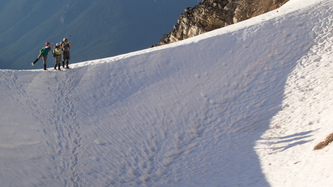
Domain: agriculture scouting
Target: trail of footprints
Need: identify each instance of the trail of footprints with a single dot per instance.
(67, 131)
(64, 145)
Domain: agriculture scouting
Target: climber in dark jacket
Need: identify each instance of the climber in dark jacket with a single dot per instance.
(65, 46)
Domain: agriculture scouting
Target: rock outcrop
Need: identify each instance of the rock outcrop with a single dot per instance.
(213, 14)
(323, 144)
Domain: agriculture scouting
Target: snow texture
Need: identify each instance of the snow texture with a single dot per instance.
(239, 106)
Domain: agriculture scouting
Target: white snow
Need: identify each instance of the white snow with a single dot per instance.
(239, 106)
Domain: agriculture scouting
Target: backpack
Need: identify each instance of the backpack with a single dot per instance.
(42, 50)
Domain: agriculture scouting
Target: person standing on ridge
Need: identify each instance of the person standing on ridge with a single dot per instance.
(65, 47)
(43, 54)
(57, 56)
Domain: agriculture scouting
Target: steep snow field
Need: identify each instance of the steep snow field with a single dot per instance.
(240, 106)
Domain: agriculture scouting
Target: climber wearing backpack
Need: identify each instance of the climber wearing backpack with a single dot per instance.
(65, 47)
(57, 56)
(43, 54)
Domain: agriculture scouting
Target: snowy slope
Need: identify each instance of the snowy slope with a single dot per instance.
(239, 106)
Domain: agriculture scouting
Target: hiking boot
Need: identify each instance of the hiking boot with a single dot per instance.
(34, 62)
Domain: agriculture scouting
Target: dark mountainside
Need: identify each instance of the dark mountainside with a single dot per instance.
(213, 14)
(99, 29)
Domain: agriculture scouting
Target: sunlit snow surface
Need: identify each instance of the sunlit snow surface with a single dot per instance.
(240, 106)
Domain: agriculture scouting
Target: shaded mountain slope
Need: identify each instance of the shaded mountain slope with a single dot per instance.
(98, 28)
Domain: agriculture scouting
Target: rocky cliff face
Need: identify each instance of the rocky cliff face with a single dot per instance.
(212, 14)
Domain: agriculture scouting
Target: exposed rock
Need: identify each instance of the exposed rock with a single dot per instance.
(323, 144)
(213, 14)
